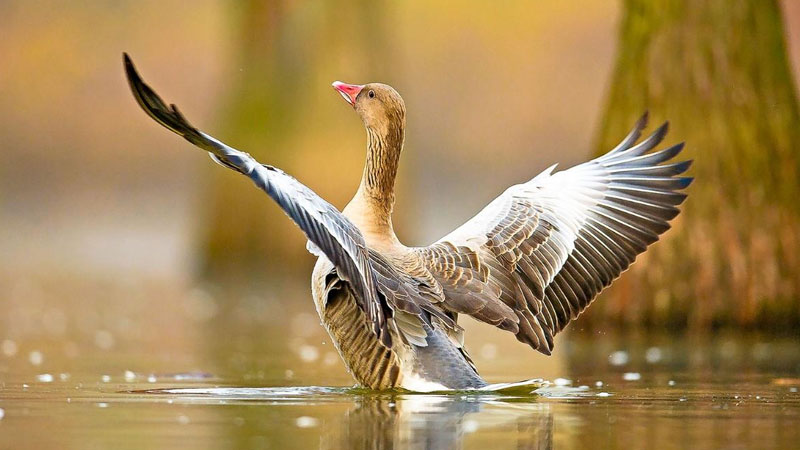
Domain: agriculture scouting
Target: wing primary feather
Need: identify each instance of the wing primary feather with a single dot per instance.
(331, 232)
(552, 244)
(632, 136)
(647, 144)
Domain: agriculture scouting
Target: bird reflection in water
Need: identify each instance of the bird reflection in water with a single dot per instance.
(441, 422)
(387, 420)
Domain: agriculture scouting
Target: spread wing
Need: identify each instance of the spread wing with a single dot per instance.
(536, 256)
(329, 231)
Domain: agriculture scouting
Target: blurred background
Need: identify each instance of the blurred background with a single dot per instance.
(121, 246)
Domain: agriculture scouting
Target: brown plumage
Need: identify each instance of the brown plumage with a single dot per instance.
(529, 263)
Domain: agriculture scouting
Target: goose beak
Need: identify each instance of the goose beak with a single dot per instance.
(348, 91)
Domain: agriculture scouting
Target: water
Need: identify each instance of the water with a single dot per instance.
(143, 364)
(729, 392)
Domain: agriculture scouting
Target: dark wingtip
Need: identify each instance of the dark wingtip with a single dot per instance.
(662, 130)
(154, 106)
(632, 136)
(134, 80)
(642, 122)
(130, 69)
(682, 166)
(655, 138)
(684, 182)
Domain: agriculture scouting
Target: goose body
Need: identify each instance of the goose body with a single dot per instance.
(528, 263)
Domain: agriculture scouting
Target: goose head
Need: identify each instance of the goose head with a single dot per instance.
(380, 107)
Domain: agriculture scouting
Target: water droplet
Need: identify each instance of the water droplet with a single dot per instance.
(471, 426)
(106, 378)
(63, 376)
(671, 382)
(151, 379)
(488, 351)
(306, 422)
(562, 382)
(36, 358)
(102, 405)
(792, 389)
(183, 419)
(618, 358)
(45, 378)
(103, 339)
(2, 413)
(653, 355)
(598, 384)
(308, 353)
(631, 376)
(129, 375)
(603, 394)
(9, 347)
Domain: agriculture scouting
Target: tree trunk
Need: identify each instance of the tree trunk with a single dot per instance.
(284, 45)
(718, 70)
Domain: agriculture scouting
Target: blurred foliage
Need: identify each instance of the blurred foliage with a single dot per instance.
(718, 71)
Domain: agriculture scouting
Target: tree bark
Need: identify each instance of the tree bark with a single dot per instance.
(718, 70)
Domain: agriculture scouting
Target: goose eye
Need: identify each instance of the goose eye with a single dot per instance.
(371, 94)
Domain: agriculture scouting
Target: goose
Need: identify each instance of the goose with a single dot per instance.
(529, 263)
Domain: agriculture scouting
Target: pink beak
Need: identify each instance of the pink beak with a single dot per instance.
(348, 91)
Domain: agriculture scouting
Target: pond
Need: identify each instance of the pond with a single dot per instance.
(741, 411)
(187, 371)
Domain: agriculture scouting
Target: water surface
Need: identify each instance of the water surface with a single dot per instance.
(730, 392)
